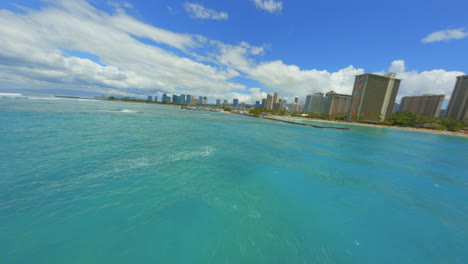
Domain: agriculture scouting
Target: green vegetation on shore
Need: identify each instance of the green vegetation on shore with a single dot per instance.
(403, 119)
(409, 119)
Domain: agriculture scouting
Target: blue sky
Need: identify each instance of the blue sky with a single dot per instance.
(229, 49)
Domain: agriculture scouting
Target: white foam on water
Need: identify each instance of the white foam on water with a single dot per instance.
(127, 111)
(124, 165)
(140, 162)
(189, 155)
(11, 95)
(117, 111)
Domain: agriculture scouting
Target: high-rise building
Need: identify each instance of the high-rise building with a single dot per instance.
(258, 104)
(336, 103)
(373, 97)
(189, 99)
(175, 98)
(296, 99)
(182, 99)
(164, 98)
(296, 107)
(205, 100)
(316, 103)
(308, 103)
(168, 99)
(150, 98)
(155, 98)
(263, 103)
(269, 101)
(235, 102)
(277, 106)
(194, 101)
(218, 101)
(428, 105)
(225, 102)
(200, 100)
(276, 98)
(458, 105)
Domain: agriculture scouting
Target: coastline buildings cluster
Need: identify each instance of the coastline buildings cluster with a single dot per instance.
(187, 99)
(372, 99)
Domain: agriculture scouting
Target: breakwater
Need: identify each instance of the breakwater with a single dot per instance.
(302, 124)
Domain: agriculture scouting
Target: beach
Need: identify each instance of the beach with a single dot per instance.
(372, 125)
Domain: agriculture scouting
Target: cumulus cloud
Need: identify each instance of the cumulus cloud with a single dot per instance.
(33, 43)
(199, 11)
(73, 46)
(427, 82)
(397, 66)
(445, 35)
(270, 6)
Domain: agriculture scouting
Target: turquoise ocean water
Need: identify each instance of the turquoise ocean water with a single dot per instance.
(85, 181)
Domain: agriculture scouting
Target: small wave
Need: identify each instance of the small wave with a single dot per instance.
(131, 164)
(10, 94)
(127, 111)
(118, 111)
(43, 98)
(189, 155)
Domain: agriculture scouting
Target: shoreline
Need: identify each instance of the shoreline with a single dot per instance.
(374, 125)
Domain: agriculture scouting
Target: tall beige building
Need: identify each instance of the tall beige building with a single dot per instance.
(373, 97)
(458, 105)
(269, 101)
(336, 103)
(276, 98)
(428, 104)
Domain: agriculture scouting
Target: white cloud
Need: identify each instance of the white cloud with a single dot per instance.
(120, 4)
(271, 6)
(397, 66)
(32, 44)
(57, 47)
(445, 35)
(427, 82)
(199, 11)
(291, 80)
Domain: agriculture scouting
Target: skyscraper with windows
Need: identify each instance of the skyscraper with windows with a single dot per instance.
(458, 105)
(189, 99)
(276, 98)
(336, 103)
(182, 99)
(316, 103)
(164, 98)
(269, 101)
(308, 103)
(175, 98)
(150, 98)
(235, 102)
(373, 97)
(428, 105)
(218, 101)
(200, 100)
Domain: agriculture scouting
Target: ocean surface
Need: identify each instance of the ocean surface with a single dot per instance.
(85, 181)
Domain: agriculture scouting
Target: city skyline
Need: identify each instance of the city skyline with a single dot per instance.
(137, 48)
